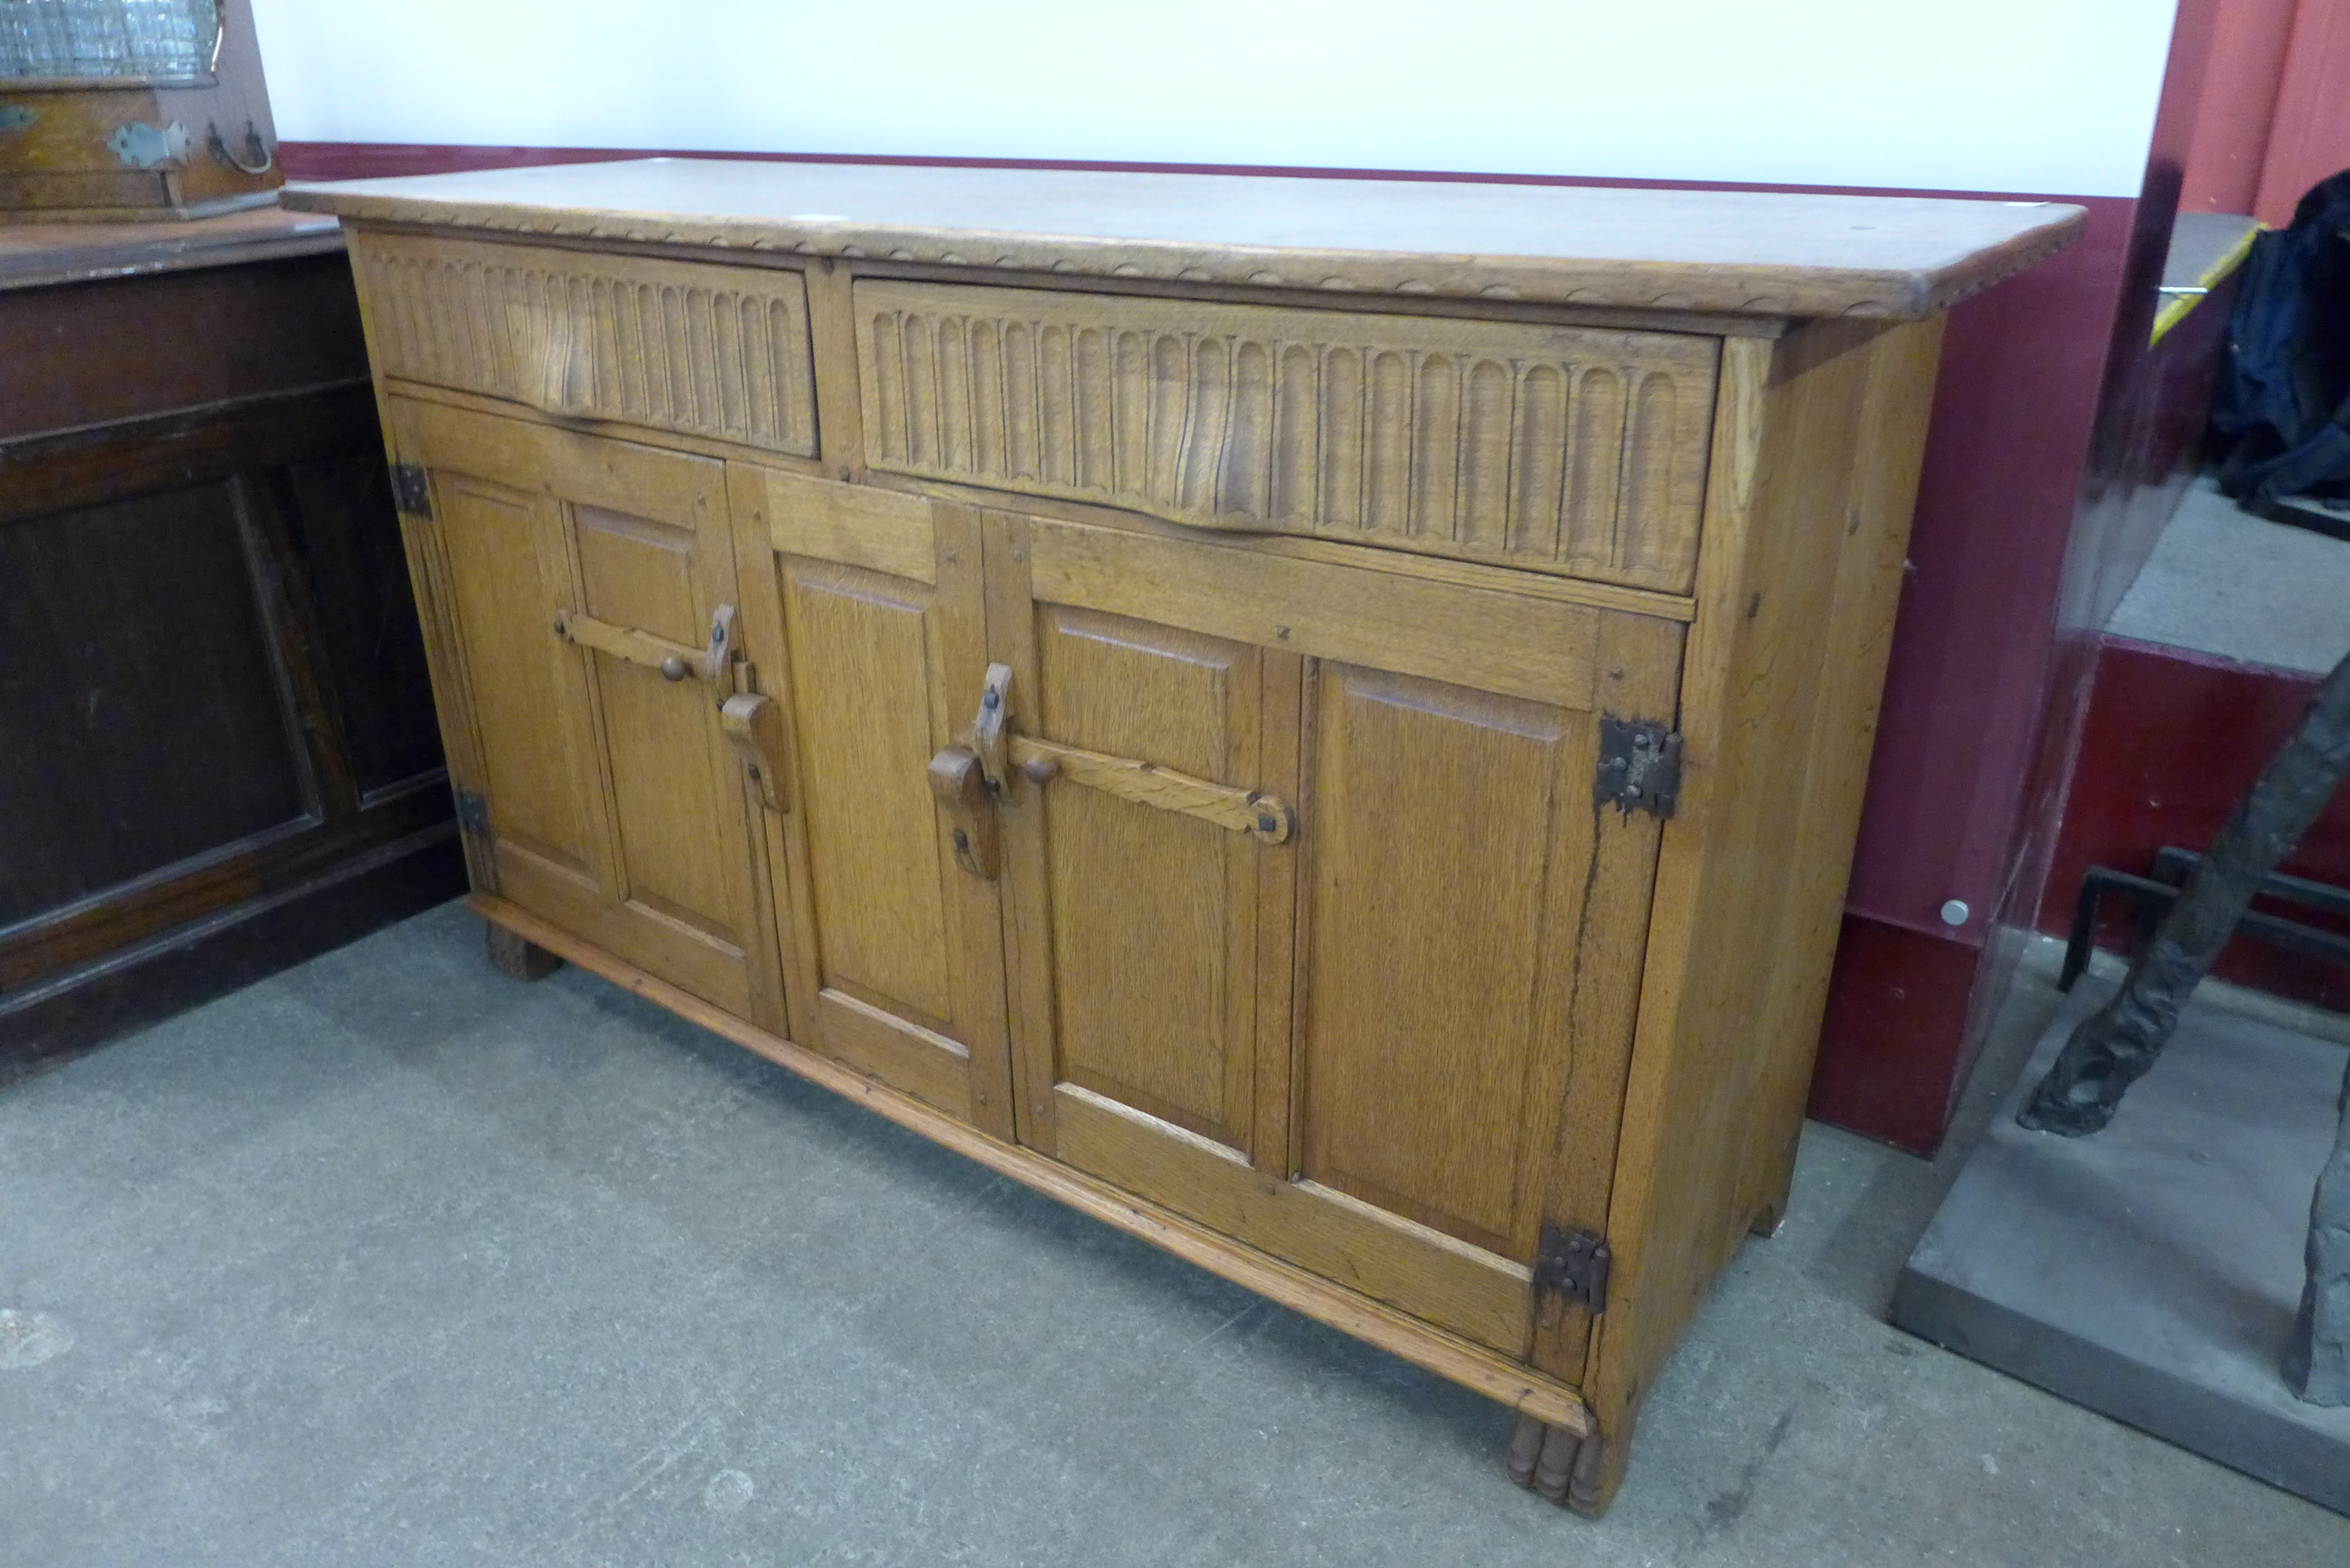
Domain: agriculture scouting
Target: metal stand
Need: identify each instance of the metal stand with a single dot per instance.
(2113, 1047)
(2150, 897)
(2317, 1366)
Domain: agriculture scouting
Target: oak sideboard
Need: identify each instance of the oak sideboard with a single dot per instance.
(1321, 722)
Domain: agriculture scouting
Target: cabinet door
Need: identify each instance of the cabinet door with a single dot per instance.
(577, 566)
(1386, 1038)
(871, 603)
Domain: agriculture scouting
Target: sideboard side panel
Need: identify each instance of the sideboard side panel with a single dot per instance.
(1808, 498)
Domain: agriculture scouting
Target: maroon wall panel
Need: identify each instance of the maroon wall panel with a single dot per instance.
(1890, 1044)
(2021, 365)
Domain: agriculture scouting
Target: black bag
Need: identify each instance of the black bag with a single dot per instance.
(2281, 411)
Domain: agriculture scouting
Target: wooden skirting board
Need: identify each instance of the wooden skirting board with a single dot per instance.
(1525, 1392)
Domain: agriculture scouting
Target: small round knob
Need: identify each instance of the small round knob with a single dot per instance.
(672, 668)
(1041, 770)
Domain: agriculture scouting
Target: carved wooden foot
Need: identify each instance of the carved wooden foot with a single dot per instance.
(1559, 1465)
(517, 957)
(1525, 1449)
(2317, 1366)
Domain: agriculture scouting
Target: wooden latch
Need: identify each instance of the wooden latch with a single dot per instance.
(1266, 818)
(753, 725)
(969, 777)
(962, 790)
(674, 661)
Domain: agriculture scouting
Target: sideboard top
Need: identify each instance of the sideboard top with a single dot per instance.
(1900, 258)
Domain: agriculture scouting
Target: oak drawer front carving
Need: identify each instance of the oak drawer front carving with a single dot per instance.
(714, 351)
(1571, 449)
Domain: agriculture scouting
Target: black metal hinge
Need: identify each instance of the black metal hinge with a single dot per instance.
(1639, 767)
(412, 491)
(472, 814)
(1574, 1264)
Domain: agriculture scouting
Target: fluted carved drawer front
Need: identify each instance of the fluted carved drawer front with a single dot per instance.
(1575, 449)
(715, 351)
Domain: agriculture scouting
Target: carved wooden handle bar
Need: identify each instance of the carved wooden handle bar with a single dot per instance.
(1264, 817)
(968, 777)
(673, 660)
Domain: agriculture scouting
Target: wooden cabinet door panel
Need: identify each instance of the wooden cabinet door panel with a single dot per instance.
(871, 603)
(615, 806)
(1473, 928)
(528, 688)
(1450, 840)
(1152, 913)
(1392, 1047)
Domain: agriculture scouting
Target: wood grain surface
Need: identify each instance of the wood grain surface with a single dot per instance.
(1566, 449)
(1748, 252)
(678, 346)
(32, 255)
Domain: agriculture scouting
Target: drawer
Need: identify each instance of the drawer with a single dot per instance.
(701, 349)
(1580, 451)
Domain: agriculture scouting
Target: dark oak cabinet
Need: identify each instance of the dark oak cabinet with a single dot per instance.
(218, 754)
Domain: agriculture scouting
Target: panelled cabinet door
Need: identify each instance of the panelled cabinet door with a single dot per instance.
(870, 601)
(591, 584)
(1317, 933)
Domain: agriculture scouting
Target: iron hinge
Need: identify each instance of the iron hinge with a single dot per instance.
(1639, 767)
(1574, 1264)
(472, 814)
(412, 491)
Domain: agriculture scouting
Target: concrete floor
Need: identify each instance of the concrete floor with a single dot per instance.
(392, 1261)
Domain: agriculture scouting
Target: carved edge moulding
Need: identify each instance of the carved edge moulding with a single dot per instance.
(1785, 290)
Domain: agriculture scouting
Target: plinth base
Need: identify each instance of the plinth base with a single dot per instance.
(2150, 1271)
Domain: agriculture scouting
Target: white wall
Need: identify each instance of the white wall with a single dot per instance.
(2046, 96)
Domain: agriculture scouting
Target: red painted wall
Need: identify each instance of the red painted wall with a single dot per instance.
(2021, 369)
(2309, 138)
(2238, 105)
(2275, 110)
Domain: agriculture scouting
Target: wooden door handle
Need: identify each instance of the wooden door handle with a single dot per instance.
(962, 789)
(753, 725)
(994, 751)
(673, 660)
(1266, 818)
